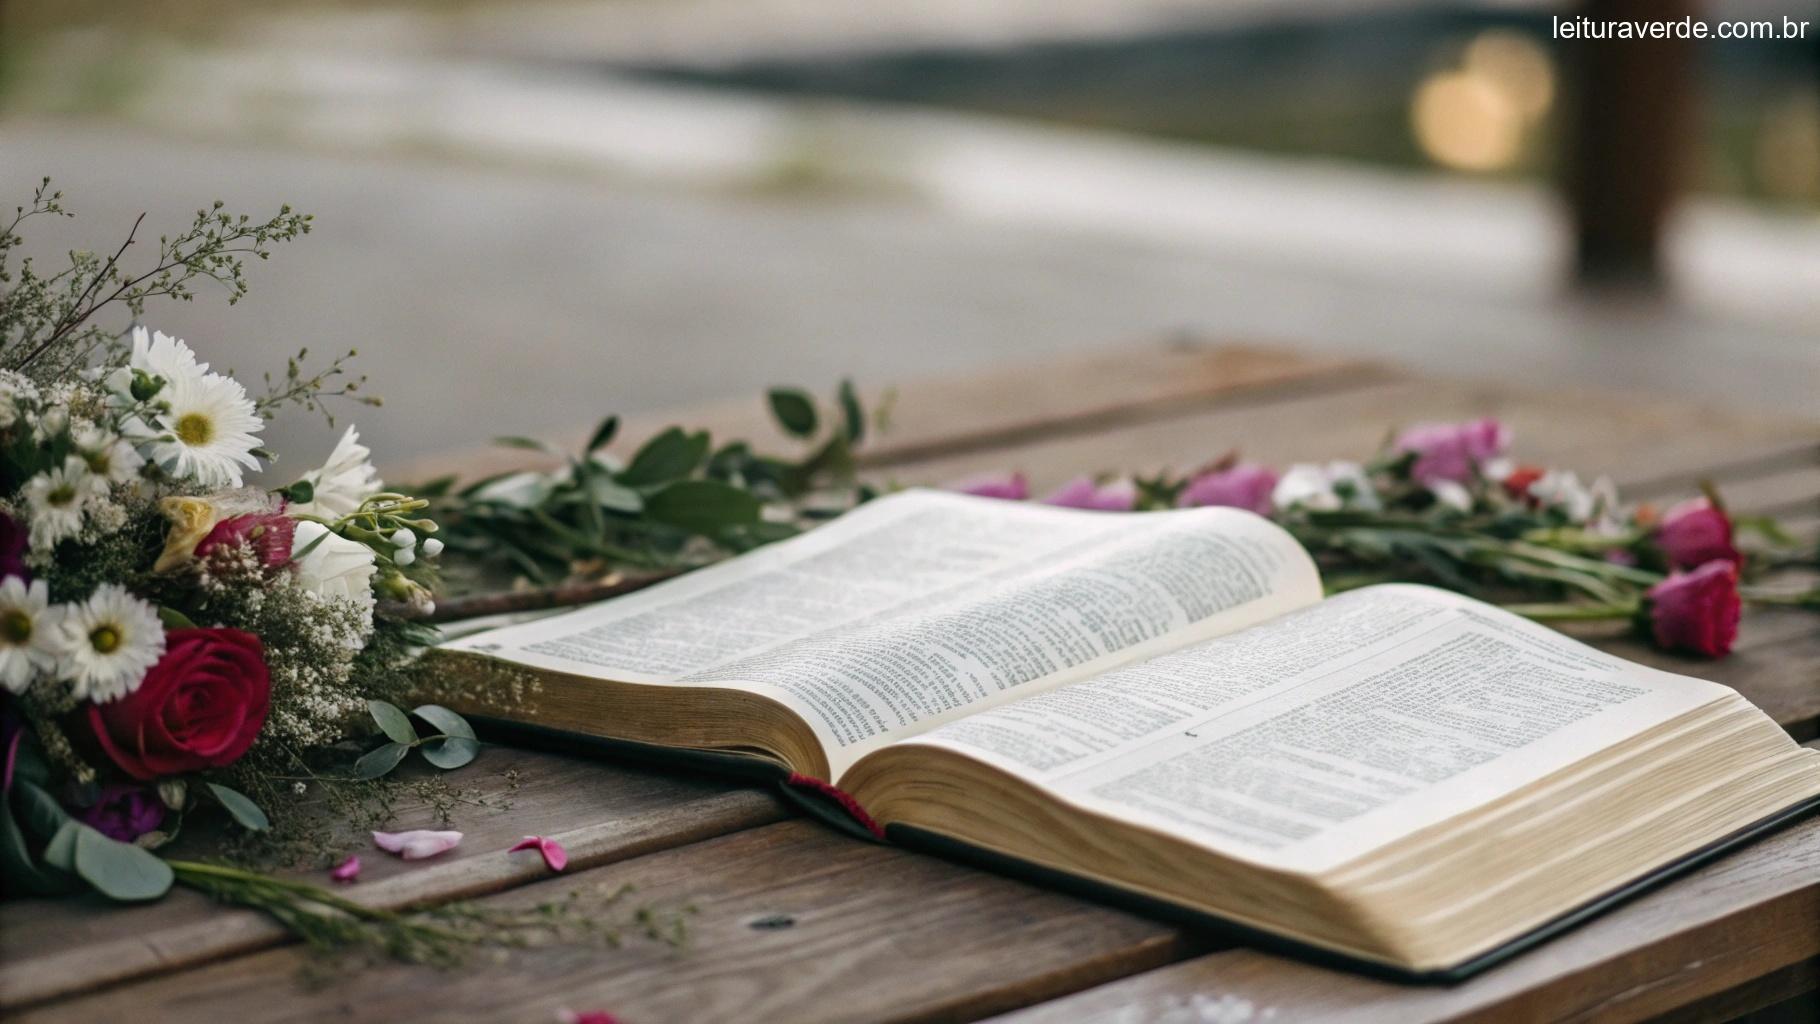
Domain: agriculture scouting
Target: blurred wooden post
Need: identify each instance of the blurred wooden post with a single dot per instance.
(1630, 141)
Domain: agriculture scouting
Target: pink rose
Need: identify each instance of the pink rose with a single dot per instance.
(1081, 492)
(1696, 532)
(1696, 611)
(1246, 485)
(201, 706)
(1453, 451)
(1012, 487)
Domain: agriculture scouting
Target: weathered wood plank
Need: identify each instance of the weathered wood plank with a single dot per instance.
(878, 934)
(600, 812)
(996, 407)
(1743, 918)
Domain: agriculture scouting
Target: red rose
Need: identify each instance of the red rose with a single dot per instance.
(1696, 611)
(1696, 532)
(200, 707)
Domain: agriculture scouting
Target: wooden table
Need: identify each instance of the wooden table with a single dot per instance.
(799, 923)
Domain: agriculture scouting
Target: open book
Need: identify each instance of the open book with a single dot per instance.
(1163, 705)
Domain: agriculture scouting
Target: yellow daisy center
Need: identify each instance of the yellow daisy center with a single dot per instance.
(105, 639)
(16, 627)
(195, 429)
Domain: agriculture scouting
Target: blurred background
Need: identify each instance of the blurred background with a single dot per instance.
(530, 213)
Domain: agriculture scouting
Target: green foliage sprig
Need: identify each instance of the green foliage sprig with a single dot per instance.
(679, 502)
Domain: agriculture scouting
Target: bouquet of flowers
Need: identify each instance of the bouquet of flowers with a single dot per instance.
(1446, 504)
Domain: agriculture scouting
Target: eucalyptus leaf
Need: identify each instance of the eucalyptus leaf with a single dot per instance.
(612, 495)
(671, 455)
(702, 506)
(60, 852)
(527, 443)
(299, 493)
(381, 760)
(450, 751)
(240, 808)
(794, 411)
(446, 722)
(174, 619)
(393, 722)
(118, 870)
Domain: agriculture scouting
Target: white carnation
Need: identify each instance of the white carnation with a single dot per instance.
(343, 482)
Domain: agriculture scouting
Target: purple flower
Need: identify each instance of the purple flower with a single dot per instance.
(1453, 451)
(1012, 486)
(124, 812)
(1081, 492)
(13, 542)
(1246, 485)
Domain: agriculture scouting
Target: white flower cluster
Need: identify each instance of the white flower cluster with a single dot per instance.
(101, 646)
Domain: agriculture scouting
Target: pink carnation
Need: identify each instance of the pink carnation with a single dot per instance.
(1010, 486)
(1697, 611)
(1696, 532)
(269, 534)
(1081, 492)
(1246, 485)
(1453, 451)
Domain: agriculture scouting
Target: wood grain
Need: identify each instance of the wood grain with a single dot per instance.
(600, 812)
(882, 934)
(877, 934)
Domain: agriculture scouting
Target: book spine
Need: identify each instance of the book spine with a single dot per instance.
(804, 789)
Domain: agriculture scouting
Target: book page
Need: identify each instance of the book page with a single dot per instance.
(918, 607)
(1304, 742)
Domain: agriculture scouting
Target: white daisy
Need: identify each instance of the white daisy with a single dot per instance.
(55, 499)
(210, 430)
(161, 355)
(109, 457)
(106, 643)
(28, 628)
(343, 482)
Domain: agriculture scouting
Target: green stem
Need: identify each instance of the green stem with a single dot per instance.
(1573, 612)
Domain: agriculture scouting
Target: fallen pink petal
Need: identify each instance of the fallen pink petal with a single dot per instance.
(347, 870)
(585, 1017)
(417, 843)
(553, 854)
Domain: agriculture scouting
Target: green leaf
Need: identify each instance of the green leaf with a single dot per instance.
(120, 871)
(450, 751)
(174, 619)
(614, 496)
(671, 455)
(528, 443)
(243, 810)
(794, 410)
(702, 506)
(381, 760)
(60, 852)
(393, 722)
(852, 411)
(603, 434)
(446, 722)
(299, 493)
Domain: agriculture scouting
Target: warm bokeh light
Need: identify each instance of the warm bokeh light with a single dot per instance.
(1464, 121)
(1517, 66)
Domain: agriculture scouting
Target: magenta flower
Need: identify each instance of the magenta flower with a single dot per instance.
(1012, 486)
(1696, 611)
(1246, 485)
(124, 812)
(1116, 496)
(1453, 451)
(417, 843)
(1696, 532)
(269, 534)
(554, 856)
(585, 1017)
(346, 871)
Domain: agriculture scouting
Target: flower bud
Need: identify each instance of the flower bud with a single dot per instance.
(404, 556)
(145, 386)
(432, 547)
(404, 538)
(173, 792)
